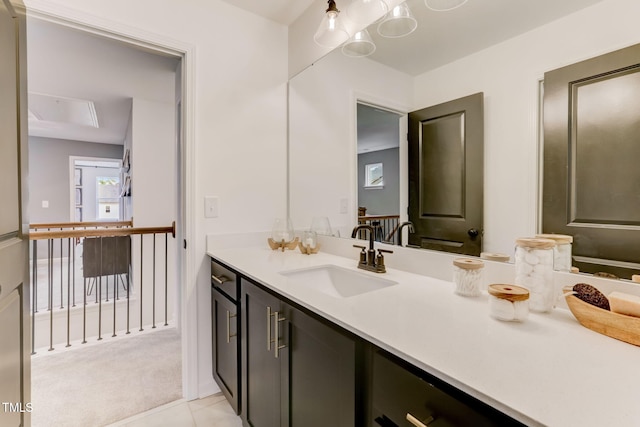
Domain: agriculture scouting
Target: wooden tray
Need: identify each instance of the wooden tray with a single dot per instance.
(618, 326)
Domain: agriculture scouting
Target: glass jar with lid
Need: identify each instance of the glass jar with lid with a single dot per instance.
(467, 276)
(534, 271)
(562, 252)
(508, 302)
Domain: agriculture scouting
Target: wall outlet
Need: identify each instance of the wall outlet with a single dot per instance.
(45, 203)
(344, 206)
(211, 207)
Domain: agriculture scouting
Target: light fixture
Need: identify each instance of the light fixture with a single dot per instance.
(360, 44)
(366, 11)
(399, 22)
(331, 32)
(443, 5)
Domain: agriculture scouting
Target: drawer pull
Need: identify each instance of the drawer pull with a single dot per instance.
(277, 320)
(416, 422)
(229, 335)
(219, 280)
(269, 328)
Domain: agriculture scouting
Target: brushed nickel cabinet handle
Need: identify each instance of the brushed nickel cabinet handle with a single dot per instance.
(269, 328)
(229, 335)
(277, 321)
(416, 422)
(219, 280)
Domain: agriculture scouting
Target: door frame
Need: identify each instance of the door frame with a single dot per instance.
(72, 187)
(186, 319)
(393, 107)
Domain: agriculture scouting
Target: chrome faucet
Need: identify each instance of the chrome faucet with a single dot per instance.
(404, 224)
(368, 258)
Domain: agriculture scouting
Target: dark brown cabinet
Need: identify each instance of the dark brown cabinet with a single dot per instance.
(404, 396)
(224, 330)
(281, 365)
(297, 370)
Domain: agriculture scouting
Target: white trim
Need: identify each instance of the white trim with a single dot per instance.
(61, 15)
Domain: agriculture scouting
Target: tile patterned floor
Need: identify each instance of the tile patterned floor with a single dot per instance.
(212, 411)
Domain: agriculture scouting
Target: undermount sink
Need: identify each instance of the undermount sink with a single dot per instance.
(337, 281)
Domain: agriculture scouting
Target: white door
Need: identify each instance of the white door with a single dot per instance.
(14, 278)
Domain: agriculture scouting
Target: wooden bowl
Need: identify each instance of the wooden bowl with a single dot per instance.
(619, 326)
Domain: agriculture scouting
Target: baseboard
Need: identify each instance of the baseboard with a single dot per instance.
(207, 388)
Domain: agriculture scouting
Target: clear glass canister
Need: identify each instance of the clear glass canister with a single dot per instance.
(467, 276)
(562, 252)
(508, 302)
(534, 271)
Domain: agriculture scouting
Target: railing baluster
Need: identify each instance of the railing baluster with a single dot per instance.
(140, 290)
(130, 269)
(153, 305)
(34, 296)
(115, 285)
(166, 258)
(68, 293)
(61, 276)
(50, 286)
(84, 308)
(99, 291)
(73, 245)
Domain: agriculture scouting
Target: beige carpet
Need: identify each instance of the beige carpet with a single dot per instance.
(106, 382)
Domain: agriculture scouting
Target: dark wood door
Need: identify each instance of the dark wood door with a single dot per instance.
(225, 346)
(319, 366)
(446, 173)
(15, 342)
(261, 373)
(591, 151)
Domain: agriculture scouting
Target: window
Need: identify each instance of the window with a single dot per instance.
(373, 176)
(108, 197)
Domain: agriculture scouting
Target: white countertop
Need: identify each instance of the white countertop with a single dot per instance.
(549, 370)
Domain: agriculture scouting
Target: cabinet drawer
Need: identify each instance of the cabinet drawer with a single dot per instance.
(224, 279)
(401, 390)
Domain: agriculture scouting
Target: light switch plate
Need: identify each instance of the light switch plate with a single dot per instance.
(45, 203)
(344, 206)
(211, 207)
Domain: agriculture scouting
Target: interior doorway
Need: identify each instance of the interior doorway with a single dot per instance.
(379, 169)
(96, 190)
(179, 146)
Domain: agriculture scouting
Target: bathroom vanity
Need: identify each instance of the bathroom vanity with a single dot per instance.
(408, 352)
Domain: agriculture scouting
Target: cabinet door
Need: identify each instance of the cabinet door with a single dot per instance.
(225, 346)
(319, 367)
(260, 368)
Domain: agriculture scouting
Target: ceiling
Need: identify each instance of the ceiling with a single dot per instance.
(81, 85)
(282, 11)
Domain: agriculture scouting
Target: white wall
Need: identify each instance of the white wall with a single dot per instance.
(240, 120)
(508, 74)
(323, 143)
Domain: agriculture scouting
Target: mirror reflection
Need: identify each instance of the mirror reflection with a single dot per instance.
(497, 47)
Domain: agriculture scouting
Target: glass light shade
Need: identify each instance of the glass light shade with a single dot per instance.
(359, 45)
(282, 230)
(443, 5)
(331, 32)
(399, 22)
(366, 11)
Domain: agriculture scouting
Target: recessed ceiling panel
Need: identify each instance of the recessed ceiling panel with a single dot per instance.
(66, 111)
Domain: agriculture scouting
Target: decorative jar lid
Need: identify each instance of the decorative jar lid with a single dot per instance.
(468, 263)
(535, 243)
(491, 256)
(558, 238)
(509, 292)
